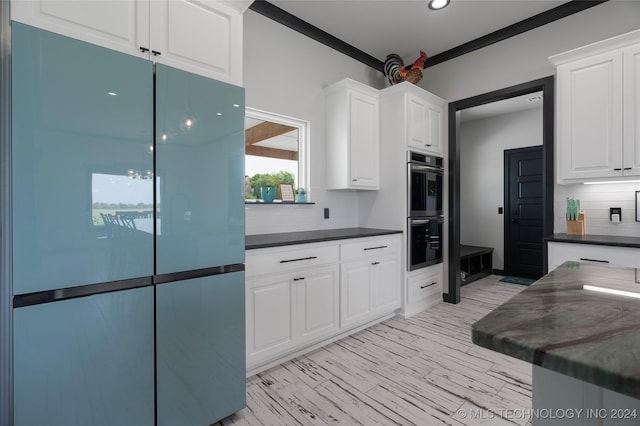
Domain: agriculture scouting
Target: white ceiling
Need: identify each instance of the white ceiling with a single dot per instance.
(381, 27)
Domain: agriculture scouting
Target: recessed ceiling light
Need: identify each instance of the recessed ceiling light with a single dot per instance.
(438, 4)
(112, 94)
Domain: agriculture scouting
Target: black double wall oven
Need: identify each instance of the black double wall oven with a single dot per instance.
(425, 216)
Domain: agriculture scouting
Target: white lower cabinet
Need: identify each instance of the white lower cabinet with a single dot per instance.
(559, 252)
(286, 310)
(317, 297)
(299, 297)
(424, 289)
(356, 296)
(269, 316)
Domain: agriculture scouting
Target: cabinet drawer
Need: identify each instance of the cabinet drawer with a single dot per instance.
(425, 287)
(622, 256)
(277, 260)
(369, 247)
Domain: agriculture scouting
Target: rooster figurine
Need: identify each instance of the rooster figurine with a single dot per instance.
(396, 72)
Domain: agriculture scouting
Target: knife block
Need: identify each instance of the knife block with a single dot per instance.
(576, 227)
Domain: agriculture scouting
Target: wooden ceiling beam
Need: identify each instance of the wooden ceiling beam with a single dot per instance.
(264, 131)
(263, 151)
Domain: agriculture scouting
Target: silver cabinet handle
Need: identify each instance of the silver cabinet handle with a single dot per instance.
(429, 285)
(374, 248)
(375, 263)
(298, 279)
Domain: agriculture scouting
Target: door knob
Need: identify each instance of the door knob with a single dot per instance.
(514, 220)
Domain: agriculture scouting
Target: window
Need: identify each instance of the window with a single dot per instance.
(276, 152)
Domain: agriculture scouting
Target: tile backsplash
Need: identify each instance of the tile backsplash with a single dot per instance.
(595, 201)
(261, 219)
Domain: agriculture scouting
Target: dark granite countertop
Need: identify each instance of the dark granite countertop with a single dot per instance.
(559, 324)
(304, 237)
(602, 240)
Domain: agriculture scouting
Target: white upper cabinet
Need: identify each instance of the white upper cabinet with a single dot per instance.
(424, 124)
(352, 136)
(203, 37)
(597, 110)
(414, 116)
(199, 36)
(631, 130)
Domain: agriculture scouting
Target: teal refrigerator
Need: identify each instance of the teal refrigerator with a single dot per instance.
(128, 238)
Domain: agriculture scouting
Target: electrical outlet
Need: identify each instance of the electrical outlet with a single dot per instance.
(615, 214)
(326, 212)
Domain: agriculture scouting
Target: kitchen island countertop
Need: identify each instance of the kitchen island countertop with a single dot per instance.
(304, 237)
(562, 324)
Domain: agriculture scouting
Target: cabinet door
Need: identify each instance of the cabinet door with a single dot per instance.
(82, 121)
(632, 110)
(317, 302)
(85, 361)
(434, 129)
(356, 296)
(363, 138)
(590, 117)
(200, 348)
(387, 284)
(203, 37)
(199, 160)
(119, 25)
(270, 313)
(417, 122)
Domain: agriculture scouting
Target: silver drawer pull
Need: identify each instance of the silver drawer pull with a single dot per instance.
(594, 260)
(298, 260)
(375, 248)
(298, 279)
(429, 285)
(375, 263)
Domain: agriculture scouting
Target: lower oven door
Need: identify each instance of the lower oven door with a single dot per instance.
(424, 242)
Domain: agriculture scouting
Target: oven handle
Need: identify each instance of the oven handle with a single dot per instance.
(425, 221)
(429, 168)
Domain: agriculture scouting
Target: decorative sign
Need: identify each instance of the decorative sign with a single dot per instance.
(286, 190)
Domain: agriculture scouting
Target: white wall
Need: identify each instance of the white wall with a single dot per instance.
(482, 146)
(285, 72)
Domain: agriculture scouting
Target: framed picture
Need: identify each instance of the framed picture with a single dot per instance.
(286, 190)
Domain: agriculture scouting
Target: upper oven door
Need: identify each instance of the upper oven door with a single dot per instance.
(424, 190)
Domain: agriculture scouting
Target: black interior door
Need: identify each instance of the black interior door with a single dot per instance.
(524, 213)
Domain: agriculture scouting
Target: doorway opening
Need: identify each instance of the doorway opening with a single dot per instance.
(546, 86)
